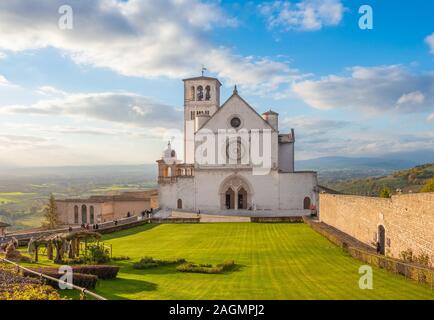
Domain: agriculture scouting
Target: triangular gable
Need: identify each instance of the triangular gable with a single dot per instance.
(235, 105)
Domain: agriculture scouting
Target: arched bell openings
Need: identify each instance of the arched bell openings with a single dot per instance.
(207, 93)
(193, 93)
(199, 93)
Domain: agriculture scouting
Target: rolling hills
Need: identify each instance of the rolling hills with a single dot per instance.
(408, 180)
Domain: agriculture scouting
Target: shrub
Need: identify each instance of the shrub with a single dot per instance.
(385, 192)
(87, 281)
(101, 271)
(428, 187)
(227, 265)
(9, 279)
(423, 259)
(206, 268)
(97, 254)
(149, 262)
(407, 255)
(30, 292)
(120, 258)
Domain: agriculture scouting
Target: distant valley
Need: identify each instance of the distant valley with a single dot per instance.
(24, 191)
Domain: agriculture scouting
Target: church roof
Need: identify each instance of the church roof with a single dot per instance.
(235, 93)
(124, 196)
(203, 78)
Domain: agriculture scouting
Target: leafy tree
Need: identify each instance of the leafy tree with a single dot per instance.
(385, 193)
(429, 186)
(50, 214)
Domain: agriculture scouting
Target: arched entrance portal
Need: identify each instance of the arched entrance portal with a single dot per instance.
(236, 193)
(382, 239)
(242, 199)
(230, 199)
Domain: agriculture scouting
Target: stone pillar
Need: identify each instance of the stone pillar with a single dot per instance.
(49, 251)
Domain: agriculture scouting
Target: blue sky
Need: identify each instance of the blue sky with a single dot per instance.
(109, 91)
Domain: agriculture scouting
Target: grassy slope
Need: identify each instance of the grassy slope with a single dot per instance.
(278, 261)
(407, 180)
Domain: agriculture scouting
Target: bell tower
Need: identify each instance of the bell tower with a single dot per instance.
(201, 101)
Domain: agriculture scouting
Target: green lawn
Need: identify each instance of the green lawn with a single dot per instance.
(277, 261)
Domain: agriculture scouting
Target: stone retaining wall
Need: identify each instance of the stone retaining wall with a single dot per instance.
(408, 220)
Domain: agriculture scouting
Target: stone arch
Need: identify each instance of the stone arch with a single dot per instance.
(193, 93)
(76, 219)
(306, 203)
(199, 93)
(83, 214)
(207, 93)
(91, 215)
(229, 199)
(242, 199)
(232, 189)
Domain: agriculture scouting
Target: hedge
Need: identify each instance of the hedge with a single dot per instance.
(206, 268)
(295, 219)
(101, 271)
(149, 262)
(87, 281)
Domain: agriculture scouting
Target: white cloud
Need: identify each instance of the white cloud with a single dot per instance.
(313, 126)
(3, 81)
(411, 98)
(430, 41)
(3, 55)
(360, 143)
(431, 117)
(138, 38)
(50, 91)
(107, 106)
(373, 89)
(306, 15)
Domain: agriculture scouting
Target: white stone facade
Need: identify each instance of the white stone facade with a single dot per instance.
(234, 158)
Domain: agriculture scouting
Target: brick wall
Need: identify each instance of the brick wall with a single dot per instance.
(408, 220)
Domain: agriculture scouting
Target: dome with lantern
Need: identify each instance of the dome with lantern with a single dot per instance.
(169, 154)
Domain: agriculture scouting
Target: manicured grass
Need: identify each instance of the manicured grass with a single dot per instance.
(276, 261)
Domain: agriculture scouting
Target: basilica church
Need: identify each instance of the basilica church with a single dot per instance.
(234, 159)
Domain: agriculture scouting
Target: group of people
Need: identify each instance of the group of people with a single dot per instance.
(147, 213)
(88, 226)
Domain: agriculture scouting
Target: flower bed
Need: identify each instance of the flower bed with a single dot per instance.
(13, 286)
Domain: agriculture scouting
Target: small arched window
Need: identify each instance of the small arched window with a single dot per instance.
(193, 93)
(207, 93)
(179, 204)
(199, 93)
(76, 214)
